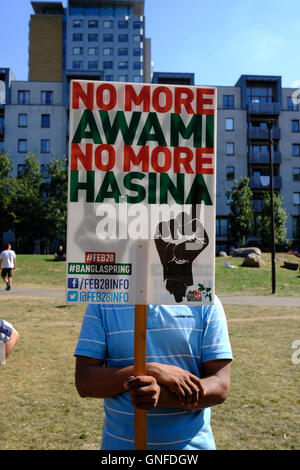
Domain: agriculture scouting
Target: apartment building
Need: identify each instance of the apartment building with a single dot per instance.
(242, 148)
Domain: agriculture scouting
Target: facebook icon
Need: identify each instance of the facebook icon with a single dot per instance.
(73, 283)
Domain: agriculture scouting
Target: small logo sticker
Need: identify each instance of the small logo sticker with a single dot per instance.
(72, 296)
(73, 283)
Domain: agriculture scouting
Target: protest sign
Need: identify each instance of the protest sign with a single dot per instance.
(141, 199)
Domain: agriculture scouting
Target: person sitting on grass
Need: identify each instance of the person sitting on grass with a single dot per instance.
(9, 338)
(60, 255)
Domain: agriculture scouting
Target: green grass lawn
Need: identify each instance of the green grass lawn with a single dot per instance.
(42, 271)
(43, 411)
(257, 281)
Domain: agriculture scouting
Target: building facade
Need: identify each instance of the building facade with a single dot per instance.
(242, 148)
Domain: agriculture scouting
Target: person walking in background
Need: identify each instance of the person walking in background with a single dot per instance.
(7, 263)
(9, 337)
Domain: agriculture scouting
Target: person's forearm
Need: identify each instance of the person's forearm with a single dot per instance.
(215, 394)
(102, 382)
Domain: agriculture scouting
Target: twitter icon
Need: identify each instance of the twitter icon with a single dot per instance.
(72, 296)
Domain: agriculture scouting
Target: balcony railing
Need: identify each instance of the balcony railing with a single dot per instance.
(263, 158)
(256, 133)
(263, 182)
(264, 108)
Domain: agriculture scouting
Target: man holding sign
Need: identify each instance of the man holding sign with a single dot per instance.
(141, 228)
(188, 371)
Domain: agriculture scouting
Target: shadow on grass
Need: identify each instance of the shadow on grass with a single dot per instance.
(54, 260)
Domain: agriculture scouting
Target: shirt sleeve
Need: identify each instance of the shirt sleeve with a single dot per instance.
(92, 337)
(6, 330)
(215, 340)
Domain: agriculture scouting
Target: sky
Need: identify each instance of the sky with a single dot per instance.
(217, 40)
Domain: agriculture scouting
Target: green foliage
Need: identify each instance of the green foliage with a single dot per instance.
(7, 189)
(33, 205)
(56, 194)
(241, 213)
(264, 221)
(27, 201)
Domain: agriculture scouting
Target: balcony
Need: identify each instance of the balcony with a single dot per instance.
(263, 182)
(262, 158)
(263, 108)
(257, 133)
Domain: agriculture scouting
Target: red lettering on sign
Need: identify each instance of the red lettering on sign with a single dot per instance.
(87, 97)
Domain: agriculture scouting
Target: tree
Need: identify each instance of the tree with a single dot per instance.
(7, 188)
(28, 207)
(264, 221)
(241, 213)
(56, 197)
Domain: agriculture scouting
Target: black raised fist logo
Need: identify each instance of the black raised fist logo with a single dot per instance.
(178, 243)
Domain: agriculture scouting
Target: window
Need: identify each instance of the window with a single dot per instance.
(296, 174)
(229, 124)
(24, 97)
(137, 24)
(77, 23)
(77, 37)
(290, 105)
(93, 37)
(107, 65)
(296, 226)
(295, 125)
(229, 148)
(92, 24)
(228, 101)
(22, 120)
(123, 24)
(77, 64)
(92, 64)
(137, 38)
(296, 150)
(93, 51)
(257, 94)
(221, 226)
(123, 51)
(47, 97)
(137, 78)
(230, 173)
(45, 145)
(109, 78)
(138, 65)
(45, 120)
(296, 199)
(108, 24)
(22, 145)
(21, 170)
(123, 37)
(77, 50)
(123, 78)
(123, 65)
(137, 51)
(108, 37)
(108, 51)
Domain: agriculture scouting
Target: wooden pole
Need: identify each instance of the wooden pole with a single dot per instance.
(140, 330)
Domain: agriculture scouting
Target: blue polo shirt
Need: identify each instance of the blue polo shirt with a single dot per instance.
(179, 335)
